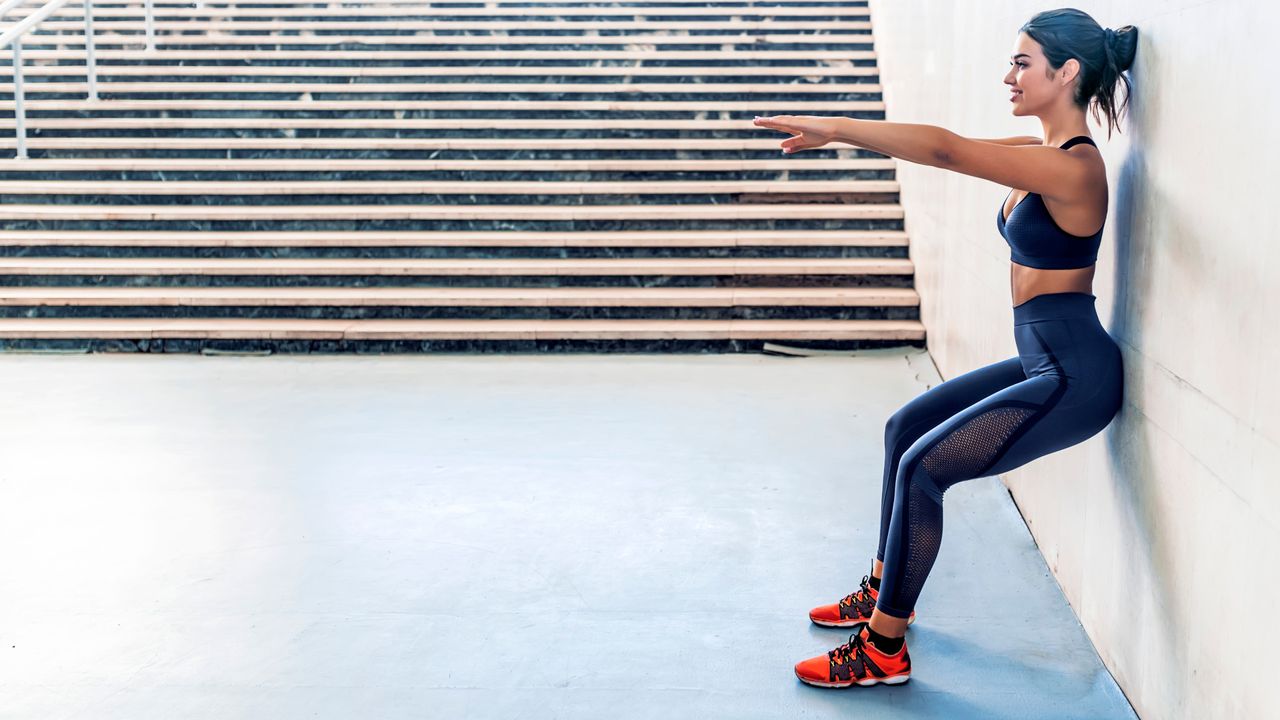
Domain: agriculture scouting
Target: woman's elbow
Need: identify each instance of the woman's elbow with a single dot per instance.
(942, 154)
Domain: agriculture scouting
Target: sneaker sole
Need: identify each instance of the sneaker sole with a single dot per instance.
(848, 623)
(867, 682)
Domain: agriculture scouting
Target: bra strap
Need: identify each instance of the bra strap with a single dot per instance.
(1076, 140)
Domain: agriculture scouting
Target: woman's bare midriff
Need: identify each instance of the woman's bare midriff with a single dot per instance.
(1028, 282)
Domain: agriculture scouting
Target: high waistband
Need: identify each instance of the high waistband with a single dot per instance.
(1056, 306)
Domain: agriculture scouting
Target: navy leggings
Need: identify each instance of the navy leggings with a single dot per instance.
(1065, 385)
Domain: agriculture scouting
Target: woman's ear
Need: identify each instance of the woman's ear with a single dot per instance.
(1069, 70)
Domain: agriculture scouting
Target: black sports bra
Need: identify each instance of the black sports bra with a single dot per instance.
(1036, 240)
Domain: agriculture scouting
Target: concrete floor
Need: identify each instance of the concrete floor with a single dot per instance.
(490, 537)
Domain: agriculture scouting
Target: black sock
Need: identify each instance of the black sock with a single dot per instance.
(886, 645)
(875, 583)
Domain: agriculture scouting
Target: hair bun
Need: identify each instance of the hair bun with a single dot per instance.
(1109, 47)
(1122, 45)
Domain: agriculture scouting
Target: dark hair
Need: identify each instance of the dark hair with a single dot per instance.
(1104, 55)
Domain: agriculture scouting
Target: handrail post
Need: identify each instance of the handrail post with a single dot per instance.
(12, 37)
(19, 111)
(151, 27)
(91, 67)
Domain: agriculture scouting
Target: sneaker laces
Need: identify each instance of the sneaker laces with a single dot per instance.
(860, 598)
(849, 651)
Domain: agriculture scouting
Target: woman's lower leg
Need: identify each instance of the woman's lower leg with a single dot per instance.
(888, 625)
(883, 623)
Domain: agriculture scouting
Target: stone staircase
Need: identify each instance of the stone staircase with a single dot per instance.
(494, 176)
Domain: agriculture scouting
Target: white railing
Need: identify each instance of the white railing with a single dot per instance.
(13, 36)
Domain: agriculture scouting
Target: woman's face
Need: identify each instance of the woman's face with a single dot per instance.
(1032, 84)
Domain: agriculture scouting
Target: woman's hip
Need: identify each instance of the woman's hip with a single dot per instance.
(1059, 335)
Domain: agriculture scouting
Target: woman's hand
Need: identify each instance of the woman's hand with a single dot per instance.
(807, 131)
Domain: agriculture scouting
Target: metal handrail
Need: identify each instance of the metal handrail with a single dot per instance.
(13, 36)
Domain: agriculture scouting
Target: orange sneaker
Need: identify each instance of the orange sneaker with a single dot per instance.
(854, 608)
(857, 662)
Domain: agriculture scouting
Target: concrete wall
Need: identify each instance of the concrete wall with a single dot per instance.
(1164, 529)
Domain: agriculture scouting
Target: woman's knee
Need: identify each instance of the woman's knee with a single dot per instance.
(915, 465)
(893, 428)
(903, 427)
(935, 405)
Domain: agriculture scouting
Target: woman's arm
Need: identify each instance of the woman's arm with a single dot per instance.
(924, 144)
(1020, 140)
(1049, 171)
(909, 137)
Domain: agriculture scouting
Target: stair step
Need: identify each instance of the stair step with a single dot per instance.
(745, 4)
(269, 329)
(447, 4)
(329, 165)
(381, 143)
(558, 124)
(513, 15)
(171, 85)
(505, 106)
(471, 19)
(457, 296)
(461, 266)
(706, 238)
(588, 25)
(733, 211)
(502, 40)
(169, 72)
(426, 187)
(487, 3)
(344, 55)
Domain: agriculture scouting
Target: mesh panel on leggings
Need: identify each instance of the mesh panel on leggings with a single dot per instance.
(924, 538)
(961, 455)
(970, 448)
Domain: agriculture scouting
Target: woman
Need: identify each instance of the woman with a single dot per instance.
(1064, 386)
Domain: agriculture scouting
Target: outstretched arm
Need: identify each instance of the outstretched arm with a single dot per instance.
(1047, 170)
(1019, 140)
(923, 144)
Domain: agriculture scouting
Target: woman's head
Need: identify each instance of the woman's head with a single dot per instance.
(1065, 56)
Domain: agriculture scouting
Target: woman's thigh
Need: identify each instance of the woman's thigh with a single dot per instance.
(1004, 431)
(1080, 415)
(944, 400)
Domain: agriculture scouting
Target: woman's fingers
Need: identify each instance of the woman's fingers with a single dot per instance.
(798, 142)
(777, 122)
(790, 124)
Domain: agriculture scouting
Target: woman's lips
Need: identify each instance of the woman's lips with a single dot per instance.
(1016, 94)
